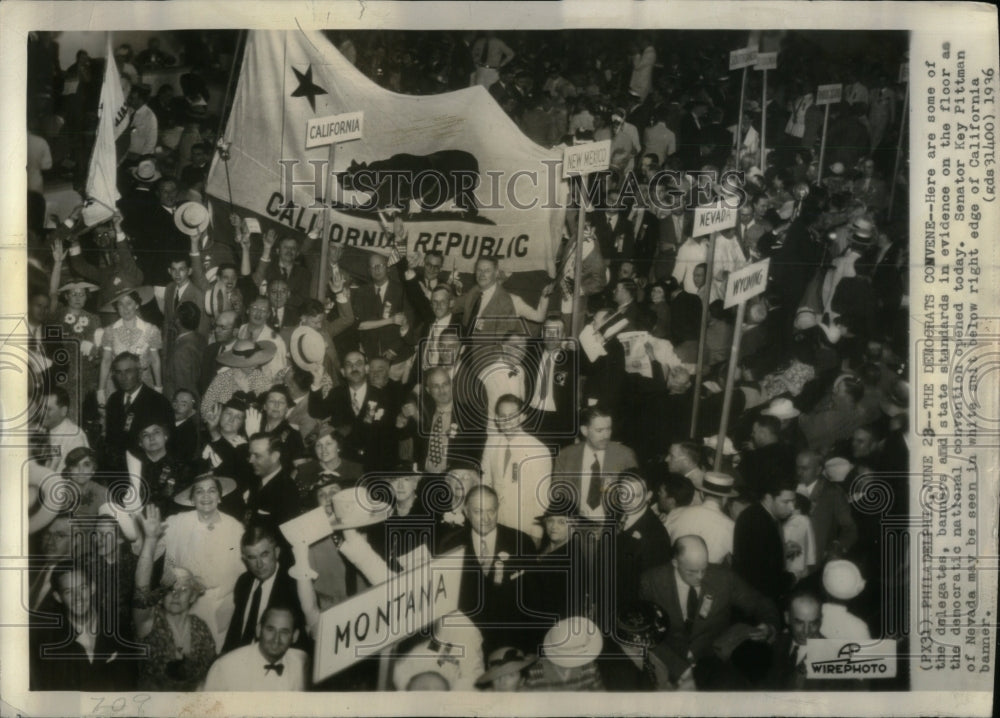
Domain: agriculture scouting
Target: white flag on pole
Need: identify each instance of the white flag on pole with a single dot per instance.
(102, 178)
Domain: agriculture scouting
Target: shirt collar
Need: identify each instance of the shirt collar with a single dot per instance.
(265, 479)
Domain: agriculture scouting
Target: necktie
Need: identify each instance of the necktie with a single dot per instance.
(484, 559)
(128, 402)
(436, 449)
(594, 492)
(284, 273)
(355, 404)
(795, 654)
(250, 628)
(544, 393)
(471, 322)
(692, 608)
(177, 298)
(278, 668)
(506, 460)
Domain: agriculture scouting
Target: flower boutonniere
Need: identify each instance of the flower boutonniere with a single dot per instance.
(456, 518)
(452, 430)
(501, 559)
(637, 535)
(559, 378)
(70, 318)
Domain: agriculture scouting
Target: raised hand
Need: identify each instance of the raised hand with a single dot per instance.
(152, 525)
(253, 421)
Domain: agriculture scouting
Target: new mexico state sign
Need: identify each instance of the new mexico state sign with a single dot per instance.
(385, 614)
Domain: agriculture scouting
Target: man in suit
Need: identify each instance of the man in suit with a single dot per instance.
(264, 584)
(553, 401)
(274, 495)
(691, 131)
(488, 308)
(156, 238)
(787, 671)
(290, 267)
(284, 316)
(181, 289)
(769, 456)
(830, 514)
(495, 559)
(587, 469)
(383, 314)
(441, 320)
(444, 434)
(641, 542)
(360, 412)
(124, 408)
(182, 365)
(518, 467)
(701, 601)
(758, 546)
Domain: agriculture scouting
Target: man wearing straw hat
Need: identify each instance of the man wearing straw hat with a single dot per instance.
(709, 519)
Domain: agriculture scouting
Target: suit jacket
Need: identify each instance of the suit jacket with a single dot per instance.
(284, 592)
(299, 281)
(277, 500)
(492, 602)
(122, 429)
(618, 243)
(191, 294)
(639, 548)
(156, 243)
(831, 518)
(568, 467)
(209, 366)
(728, 593)
(367, 307)
(467, 443)
(182, 365)
(560, 424)
(759, 553)
(370, 441)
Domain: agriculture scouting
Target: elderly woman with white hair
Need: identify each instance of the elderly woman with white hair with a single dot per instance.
(181, 646)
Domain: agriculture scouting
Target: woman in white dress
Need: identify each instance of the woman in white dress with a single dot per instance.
(130, 334)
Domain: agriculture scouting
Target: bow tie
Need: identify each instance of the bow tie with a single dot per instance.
(278, 668)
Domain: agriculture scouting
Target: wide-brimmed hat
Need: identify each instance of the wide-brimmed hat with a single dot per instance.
(146, 171)
(897, 399)
(837, 168)
(573, 642)
(837, 468)
(247, 353)
(145, 295)
(862, 229)
(353, 508)
(183, 497)
(718, 484)
(781, 408)
(842, 580)
(642, 623)
(712, 442)
(78, 284)
(307, 346)
(192, 218)
(503, 662)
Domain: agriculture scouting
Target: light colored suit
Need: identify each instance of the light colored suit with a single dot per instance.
(522, 483)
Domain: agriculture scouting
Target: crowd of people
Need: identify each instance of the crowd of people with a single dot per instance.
(194, 391)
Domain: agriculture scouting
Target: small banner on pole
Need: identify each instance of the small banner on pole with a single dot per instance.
(713, 219)
(383, 615)
(584, 159)
(766, 61)
(829, 94)
(747, 283)
(739, 59)
(329, 130)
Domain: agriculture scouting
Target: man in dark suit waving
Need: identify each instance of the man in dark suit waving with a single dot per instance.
(265, 583)
(495, 559)
(700, 600)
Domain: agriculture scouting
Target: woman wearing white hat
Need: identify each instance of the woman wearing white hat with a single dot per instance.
(181, 645)
(206, 542)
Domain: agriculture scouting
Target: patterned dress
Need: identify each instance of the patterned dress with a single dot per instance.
(142, 338)
(168, 668)
(78, 327)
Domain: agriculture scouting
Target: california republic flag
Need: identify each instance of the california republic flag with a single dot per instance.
(102, 179)
(465, 177)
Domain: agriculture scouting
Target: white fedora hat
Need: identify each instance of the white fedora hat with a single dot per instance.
(307, 346)
(192, 218)
(573, 642)
(781, 408)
